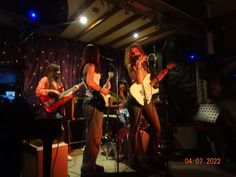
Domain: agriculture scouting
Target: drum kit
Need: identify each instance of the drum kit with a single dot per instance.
(115, 136)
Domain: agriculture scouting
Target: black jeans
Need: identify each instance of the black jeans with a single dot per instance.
(149, 113)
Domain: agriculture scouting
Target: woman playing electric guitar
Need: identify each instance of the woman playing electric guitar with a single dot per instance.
(92, 109)
(51, 91)
(136, 63)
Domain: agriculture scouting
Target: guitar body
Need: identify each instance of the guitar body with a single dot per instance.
(143, 92)
(51, 104)
(106, 97)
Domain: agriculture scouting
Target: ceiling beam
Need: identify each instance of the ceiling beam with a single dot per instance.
(148, 25)
(95, 23)
(72, 19)
(164, 7)
(115, 28)
(162, 33)
(82, 8)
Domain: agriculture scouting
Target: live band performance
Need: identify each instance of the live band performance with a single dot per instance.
(142, 88)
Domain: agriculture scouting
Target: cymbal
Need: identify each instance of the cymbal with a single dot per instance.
(115, 98)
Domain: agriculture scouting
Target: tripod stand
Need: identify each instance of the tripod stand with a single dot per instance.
(165, 145)
(108, 138)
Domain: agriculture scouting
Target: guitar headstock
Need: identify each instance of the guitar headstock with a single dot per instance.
(77, 86)
(110, 75)
(171, 65)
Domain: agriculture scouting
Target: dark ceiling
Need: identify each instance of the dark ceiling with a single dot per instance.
(113, 22)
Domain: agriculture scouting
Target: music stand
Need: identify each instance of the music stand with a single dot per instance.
(208, 113)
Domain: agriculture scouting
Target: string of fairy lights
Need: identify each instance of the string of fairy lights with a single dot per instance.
(35, 58)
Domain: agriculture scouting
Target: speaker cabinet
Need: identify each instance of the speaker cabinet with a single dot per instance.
(33, 160)
(76, 108)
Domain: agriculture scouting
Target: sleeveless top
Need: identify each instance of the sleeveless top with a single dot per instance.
(96, 79)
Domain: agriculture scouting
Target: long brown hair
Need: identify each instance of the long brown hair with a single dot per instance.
(90, 55)
(52, 73)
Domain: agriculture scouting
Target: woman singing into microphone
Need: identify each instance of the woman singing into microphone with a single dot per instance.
(136, 63)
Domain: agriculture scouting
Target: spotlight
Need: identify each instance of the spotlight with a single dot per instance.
(135, 35)
(83, 20)
(33, 15)
(192, 57)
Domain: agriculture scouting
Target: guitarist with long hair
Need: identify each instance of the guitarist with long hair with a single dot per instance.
(50, 86)
(48, 90)
(139, 104)
(93, 107)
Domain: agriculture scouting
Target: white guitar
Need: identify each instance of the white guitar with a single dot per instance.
(143, 92)
(106, 97)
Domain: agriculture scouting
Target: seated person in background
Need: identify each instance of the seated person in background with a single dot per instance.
(118, 102)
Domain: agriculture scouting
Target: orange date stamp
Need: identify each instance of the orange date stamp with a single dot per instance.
(201, 161)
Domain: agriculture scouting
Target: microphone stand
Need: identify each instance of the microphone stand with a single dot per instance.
(165, 170)
(117, 117)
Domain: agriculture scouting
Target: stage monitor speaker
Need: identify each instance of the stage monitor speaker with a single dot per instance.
(208, 113)
(33, 159)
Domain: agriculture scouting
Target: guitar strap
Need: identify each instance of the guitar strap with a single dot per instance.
(84, 83)
(87, 89)
(145, 96)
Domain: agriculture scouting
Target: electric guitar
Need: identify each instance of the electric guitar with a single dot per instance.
(106, 97)
(51, 104)
(143, 92)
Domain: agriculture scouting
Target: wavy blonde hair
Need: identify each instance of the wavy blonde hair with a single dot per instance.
(129, 62)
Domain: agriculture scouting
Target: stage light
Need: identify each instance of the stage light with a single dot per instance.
(33, 15)
(192, 57)
(135, 35)
(83, 20)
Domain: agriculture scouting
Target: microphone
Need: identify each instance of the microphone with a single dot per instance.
(112, 65)
(108, 59)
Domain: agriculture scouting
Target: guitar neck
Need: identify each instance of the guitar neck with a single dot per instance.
(65, 93)
(108, 79)
(159, 76)
(72, 89)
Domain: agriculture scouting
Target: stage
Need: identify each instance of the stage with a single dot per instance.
(177, 168)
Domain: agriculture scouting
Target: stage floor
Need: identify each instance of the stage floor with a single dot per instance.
(177, 168)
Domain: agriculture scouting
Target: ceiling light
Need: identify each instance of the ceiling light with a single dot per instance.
(83, 20)
(135, 35)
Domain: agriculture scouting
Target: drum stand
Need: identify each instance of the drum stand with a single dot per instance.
(165, 172)
(167, 136)
(108, 138)
(117, 117)
(168, 139)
